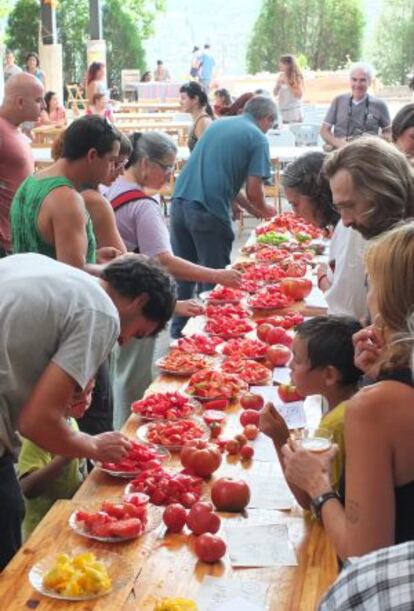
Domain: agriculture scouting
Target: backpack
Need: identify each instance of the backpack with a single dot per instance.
(126, 198)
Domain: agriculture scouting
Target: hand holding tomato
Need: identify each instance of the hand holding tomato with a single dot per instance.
(273, 425)
(109, 447)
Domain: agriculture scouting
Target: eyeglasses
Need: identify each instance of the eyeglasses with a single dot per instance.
(168, 169)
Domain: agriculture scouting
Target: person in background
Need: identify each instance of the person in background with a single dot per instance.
(32, 66)
(289, 90)
(146, 77)
(322, 364)
(194, 100)
(402, 131)
(143, 229)
(375, 508)
(23, 101)
(53, 113)
(354, 114)
(95, 80)
(233, 151)
(207, 65)
(237, 107)
(10, 68)
(46, 477)
(70, 322)
(161, 73)
(222, 99)
(195, 62)
(101, 107)
(343, 279)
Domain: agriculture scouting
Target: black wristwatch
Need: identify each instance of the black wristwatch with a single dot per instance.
(318, 502)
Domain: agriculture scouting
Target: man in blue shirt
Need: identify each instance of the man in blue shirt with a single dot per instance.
(232, 151)
(207, 64)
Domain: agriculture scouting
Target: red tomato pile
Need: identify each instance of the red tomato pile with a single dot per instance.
(226, 310)
(164, 406)
(287, 320)
(228, 328)
(211, 384)
(252, 372)
(250, 286)
(164, 488)
(294, 268)
(266, 273)
(181, 363)
(270, 254)
(139, 457)
(225, 294)
(245, 348)
(125, 520)
(269, 298)
(290, 222)
(198, 343)
(174, 434)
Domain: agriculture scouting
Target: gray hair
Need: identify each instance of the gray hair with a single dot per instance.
(365, 67)
(261, 106)
(150, 145)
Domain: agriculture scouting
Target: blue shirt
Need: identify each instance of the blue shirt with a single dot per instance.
(230, 150)
(207, 66)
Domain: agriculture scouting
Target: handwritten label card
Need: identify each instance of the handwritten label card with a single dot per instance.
(281, 375)
(269, 492)
(293, 413)
(260, 546)
(215, 594)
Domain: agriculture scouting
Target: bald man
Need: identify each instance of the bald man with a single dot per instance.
(23, 101)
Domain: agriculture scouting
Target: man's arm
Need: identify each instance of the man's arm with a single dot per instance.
(329, 138)
(255, 195)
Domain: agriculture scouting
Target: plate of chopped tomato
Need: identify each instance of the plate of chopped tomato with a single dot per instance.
(141, 456)
(223, 294)
(210, 384)
(244, 348)
(165, 406)
(269, 298)
(179, 363)
(228, 328)
(197, 344)
(115, 520)
(227, 310)
(173, 435)
(252, 372)
(167, 486)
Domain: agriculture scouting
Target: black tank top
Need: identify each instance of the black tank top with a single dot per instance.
(404, 495)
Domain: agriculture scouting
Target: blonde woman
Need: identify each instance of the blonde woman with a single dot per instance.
(379, 421)
(289, 90)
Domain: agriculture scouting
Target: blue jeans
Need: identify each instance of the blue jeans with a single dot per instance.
(199, 237)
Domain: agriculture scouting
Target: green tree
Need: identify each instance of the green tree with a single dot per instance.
(123, 43)
(73, 23)
(22, 31)
(392, 51)
(324, 31)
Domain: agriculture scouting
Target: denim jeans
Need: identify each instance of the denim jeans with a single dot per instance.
(199, 237)
(11, 511)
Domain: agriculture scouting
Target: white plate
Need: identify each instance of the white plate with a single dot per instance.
(187, 373)
(205, 296)
(119, 571)
(142, 432)
(154, 520)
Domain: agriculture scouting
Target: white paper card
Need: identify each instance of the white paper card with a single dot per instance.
(269, 492)
(281, 375)
(264, 449)
(293, 414)
(260, 546)
(238, 603)
(316, 299)
(214, 592)
(268, 393)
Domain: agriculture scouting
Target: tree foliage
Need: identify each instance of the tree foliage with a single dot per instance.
(393, 47)
(22, 32)
(73, 24)
(326, 32)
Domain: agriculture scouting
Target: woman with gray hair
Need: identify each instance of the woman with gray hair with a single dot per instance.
(142, 226)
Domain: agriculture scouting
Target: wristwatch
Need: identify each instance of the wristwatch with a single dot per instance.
(318, 502)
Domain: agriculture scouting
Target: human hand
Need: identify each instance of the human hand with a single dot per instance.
(268, 212)
(368, 345)
(310, 471)
(229, 277)
(110, 447)
(236, 210)
(106, 254)
(273, 425)
(189, 307)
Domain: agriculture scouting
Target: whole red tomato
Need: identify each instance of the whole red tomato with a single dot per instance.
(210, 548)
(278, 335)
(251, 401)
(296, 288)
(230, 494)
(251, 431)
(288, 393)
(263, 330)
(249, 416)
(201, 457)
(201, 519)
(174, 517)
(279, 355)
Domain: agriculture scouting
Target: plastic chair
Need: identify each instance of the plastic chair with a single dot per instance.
(305, 134)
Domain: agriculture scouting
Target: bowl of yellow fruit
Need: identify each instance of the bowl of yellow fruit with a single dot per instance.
(79, 575)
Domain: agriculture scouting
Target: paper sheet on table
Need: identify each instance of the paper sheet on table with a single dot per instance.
(281, 375)
(316, 299)
(215, 592)
(293, 413)
(260, 546)
(269, 492)
(264, 449)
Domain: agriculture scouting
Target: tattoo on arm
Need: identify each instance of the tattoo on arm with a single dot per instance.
(352, 511)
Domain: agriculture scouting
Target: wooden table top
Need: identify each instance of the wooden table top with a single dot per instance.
(166, 565)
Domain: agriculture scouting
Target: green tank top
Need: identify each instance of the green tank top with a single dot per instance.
(24, 214)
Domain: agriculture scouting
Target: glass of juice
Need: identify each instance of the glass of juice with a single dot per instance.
(319, 440)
